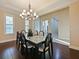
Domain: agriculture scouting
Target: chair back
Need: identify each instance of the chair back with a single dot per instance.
(18, 34)
(17, 37)
(30, 33)
(44, 46)
(41, 33)
(23, 32)
(35, 33)
(23, 38)
(48, 40)
(50, 37)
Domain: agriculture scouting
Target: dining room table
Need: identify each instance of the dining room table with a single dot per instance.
(36, 41)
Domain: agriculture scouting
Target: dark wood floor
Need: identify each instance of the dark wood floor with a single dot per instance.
(9, 51)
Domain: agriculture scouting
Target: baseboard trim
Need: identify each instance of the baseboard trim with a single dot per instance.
(66, 44)
(61, 42)
(74, 47)
(3, 41)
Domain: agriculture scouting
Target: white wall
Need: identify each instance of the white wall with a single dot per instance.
(18, 26)
(74, 25)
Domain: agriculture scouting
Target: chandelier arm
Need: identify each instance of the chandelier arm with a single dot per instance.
(29, 14)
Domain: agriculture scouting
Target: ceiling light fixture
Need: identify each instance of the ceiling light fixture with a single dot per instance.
(30, 14)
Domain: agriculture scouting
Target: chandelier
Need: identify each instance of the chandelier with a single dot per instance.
(29, 14)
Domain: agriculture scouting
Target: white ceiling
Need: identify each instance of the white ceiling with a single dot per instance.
(41, 6)
(22, 4)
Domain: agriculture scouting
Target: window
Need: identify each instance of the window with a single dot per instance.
(44, 26)
(9, 25)
(37, 25)
(26, 25)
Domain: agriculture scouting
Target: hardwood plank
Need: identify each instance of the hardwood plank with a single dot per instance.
(8, 51)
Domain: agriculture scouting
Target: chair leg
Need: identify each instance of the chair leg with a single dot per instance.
(40, 55)
(49, 54)
(19, 46)
(22, 50)
(44, 55)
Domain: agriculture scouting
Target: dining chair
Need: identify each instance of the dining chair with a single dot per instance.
(35, 33)
(23, 32)
(18, 40)
(41, 33)
(45, 47)
(30, 33)
(51, 43)
(17, 37)
(25, 46)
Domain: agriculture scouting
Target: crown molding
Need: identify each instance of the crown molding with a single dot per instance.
(10, 9)
(55, 6)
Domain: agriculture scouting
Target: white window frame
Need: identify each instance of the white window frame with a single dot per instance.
(9, 24)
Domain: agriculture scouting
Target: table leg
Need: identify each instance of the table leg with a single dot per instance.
(37, 52)
(51, 44)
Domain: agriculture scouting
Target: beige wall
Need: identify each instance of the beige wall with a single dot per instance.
(18, 25)
(63, 22)
(74, 25)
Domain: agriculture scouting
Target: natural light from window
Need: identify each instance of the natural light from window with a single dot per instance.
(9, 25)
